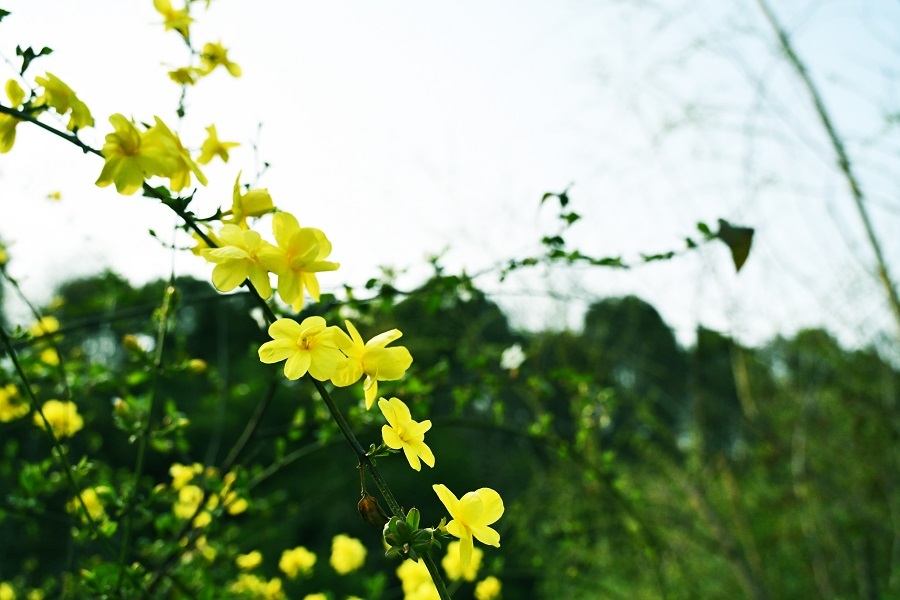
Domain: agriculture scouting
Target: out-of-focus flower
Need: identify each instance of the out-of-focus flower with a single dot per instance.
(512, 358)
(179, 20)
(252, 586)
(91, 502)
(249, 561)
(11, 404)
(416, 581)
(44, 326)
(212, 146)
(347, 554)
(216, 54)
(298, 561)
(63, 418)
(453, 565)
(60, 97)
(132, 157)
(183, 474)
(182, 165)
(253, 203)
(8, 123)
(185, 75)
(487, 589)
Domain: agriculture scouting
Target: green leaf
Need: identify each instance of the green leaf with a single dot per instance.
(3, 14)
(28, 55)
(738, 239)
(569, 217)
(546, 196)
(704, 229)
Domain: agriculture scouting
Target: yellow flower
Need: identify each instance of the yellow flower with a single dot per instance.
(213, 147)
(183, 165)
(189, 499)
(249, 561)
(307, 346)
(297, 561)
(216, 54)
(4, 257)
(471, 516)
(453, 565)
(402, 432)
(315, 597)
(63, 418)
(488, 589)
(416, 581)
(45, 326)
(373, 359)
(7, 592)
(131, 157)
(11, 405)
(183, 474)
(302, 254)
(248, 585)
(91, 502)
(49, 356)
(185, 75)
(347, 554)
(208, 552)
(8, 123)
(255, 203)
(60, 97)
(239, 258)
(179, 20)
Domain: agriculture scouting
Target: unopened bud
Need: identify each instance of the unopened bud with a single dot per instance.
(197, 365)
(370, 511)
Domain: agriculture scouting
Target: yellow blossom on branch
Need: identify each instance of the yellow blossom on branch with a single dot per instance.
(239, 258)
(251, 586)
(60, 97)
(183, 474)
(373, 359)
(91, 501)
(132, 157)
(63, 418)
(471, 517)
(8, 123)
(347, 554)
(254, 203)
(402, 432)
(307, 347)
(44, 326)
(212, 146)
(303, 251)
(182, 165)
(216, 54)
(298, 561)
(185, 75)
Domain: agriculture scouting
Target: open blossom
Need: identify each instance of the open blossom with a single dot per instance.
(182, 165)
(132, 156)
(307, 347)
(253, 203)
(471, 517)
(216, 54)
(373, 359)
(177, 19)
(63, 418)
(402, 432)
(212, 146)
(298, 561)
(302, 254)
(347, 554)
(60, 97)
(185, 75)
(237, 259)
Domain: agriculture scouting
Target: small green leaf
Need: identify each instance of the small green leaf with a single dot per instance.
(569, 217)
(3, 14)
(704, 229)
(546, 196)
(28, 55)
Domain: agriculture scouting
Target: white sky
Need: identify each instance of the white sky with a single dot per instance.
(404, 128)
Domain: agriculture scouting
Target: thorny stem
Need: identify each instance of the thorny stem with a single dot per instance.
(271, 318)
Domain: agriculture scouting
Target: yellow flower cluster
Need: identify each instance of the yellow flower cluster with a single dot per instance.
(347, 554)
(416, 581)
(63, 418)
(190, 496)
(133, 156)
(91, 499)
(11, 404)
(298, 561)
(252, 586)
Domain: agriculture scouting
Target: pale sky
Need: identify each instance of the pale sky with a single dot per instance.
(404, 129)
